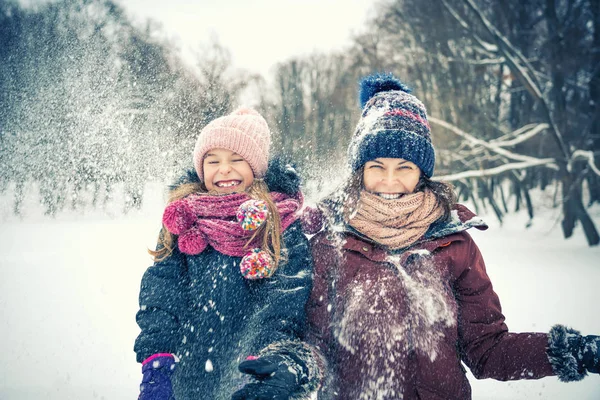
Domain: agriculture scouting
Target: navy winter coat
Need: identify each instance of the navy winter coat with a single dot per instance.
(203, 310)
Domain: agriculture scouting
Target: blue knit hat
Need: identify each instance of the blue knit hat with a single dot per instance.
(393, 125)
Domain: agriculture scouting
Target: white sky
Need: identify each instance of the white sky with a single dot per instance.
(258, 33)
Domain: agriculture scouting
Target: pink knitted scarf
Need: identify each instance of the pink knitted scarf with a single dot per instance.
(396, 223)
(215, 221)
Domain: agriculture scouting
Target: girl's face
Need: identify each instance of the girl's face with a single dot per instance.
(226, 172)
(390, 178)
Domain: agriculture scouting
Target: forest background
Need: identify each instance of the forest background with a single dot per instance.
(90, 101)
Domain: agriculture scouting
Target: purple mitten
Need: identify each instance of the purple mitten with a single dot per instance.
(156, 380)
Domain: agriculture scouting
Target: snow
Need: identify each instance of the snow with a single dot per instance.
(208, 366)
(69, 287)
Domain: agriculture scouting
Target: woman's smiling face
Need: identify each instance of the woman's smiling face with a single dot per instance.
(390, 178)
(226, 172)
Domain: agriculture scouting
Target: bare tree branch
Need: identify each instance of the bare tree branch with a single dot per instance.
(586, 155)
(486, 61)
(493, 147)
(524, 71)
(521, 137)
(490, 48)
(545, 162)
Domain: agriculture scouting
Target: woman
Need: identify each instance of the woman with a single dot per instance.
(401, 296)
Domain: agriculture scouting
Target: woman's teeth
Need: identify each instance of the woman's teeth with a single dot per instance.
(226, 184)
(390, 196)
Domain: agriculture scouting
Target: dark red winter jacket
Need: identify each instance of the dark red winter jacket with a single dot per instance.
(398, 325)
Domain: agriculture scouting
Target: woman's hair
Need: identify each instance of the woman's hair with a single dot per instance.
(270, 230)
(340, 206)
(443, 191)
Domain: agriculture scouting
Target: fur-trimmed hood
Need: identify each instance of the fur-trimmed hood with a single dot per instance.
(281, 177)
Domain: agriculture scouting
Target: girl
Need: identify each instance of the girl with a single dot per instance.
(401, 295)
(231, 277)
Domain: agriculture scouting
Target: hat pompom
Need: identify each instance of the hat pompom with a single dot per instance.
(192, 241)
(245, 111)
(376, 83)
(178, 217)
(256, 264)
(252, 214)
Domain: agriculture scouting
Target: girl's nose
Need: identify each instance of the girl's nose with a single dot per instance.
(225, 168)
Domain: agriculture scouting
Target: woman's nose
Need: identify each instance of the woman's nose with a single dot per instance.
(389, 177)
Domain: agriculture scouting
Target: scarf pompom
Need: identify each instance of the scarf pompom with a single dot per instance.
(252, 214)
(256, 264)
(192, 241)
(178, 217)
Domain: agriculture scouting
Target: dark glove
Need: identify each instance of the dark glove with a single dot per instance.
(586, 350)
(572, 355)
(156, 380)
(275, 377)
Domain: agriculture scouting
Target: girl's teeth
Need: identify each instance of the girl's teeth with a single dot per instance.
(228, 184)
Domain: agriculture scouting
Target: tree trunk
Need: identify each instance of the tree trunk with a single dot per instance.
(574, 210)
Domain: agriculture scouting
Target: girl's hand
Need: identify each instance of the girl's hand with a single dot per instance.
(156, 380)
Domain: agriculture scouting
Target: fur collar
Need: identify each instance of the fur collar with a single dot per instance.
(461, 219)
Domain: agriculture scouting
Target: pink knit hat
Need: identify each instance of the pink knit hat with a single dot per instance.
(244, 131)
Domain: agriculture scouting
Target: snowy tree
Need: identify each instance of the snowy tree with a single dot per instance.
(519, 77)
(90, 101)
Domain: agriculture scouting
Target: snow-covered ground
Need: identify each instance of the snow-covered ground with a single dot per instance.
(68, 297)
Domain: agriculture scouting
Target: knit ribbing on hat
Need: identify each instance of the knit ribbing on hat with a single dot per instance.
(393, 125)
(244, 132)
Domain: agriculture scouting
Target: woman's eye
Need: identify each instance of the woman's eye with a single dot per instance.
(375, 166)
(213, 162)
(237, 160)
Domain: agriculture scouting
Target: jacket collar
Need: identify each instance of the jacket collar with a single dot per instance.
(461, 219)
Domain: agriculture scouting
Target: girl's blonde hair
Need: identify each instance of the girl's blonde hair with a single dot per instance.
(270, 230)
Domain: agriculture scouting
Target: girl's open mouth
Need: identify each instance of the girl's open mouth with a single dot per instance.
(228, 184)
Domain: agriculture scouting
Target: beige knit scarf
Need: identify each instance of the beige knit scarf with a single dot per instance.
(396, 223)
